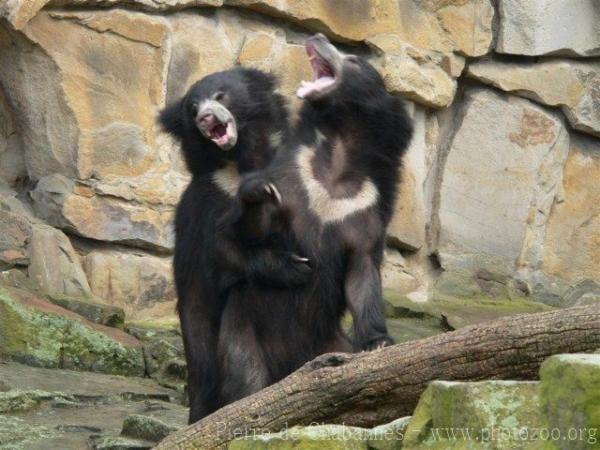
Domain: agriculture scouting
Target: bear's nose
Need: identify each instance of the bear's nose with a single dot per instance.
(206, 119)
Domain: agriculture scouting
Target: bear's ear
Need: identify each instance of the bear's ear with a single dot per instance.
(171, 119)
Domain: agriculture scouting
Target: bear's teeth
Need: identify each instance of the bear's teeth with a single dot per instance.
(308, 87)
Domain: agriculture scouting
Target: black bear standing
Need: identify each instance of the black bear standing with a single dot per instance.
(333, 188)
(228, 123)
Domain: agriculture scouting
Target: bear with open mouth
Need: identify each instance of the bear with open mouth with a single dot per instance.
(331, 189)
(229, 123)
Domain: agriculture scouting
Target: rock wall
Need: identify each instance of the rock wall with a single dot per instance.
(499, 194)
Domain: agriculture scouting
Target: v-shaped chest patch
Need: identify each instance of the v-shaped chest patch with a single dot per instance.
(330, 209)
(228, 179)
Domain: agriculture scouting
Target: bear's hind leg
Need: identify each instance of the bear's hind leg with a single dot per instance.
(243, 365)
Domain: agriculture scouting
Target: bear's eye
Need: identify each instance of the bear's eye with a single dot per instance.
(353, 60)
(194, 108)
(219, 96)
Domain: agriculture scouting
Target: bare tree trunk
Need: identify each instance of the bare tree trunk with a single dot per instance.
(366, 389)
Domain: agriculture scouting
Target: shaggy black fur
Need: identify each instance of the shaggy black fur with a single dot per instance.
(201, 251)
(353, 134)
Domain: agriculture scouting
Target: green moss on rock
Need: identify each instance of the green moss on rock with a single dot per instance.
(388, 436)
(457, 312)
(570, 400)
(147, 427)
(15, 433)
(478, 415)
(17, 400)
(321, 437)
(173, 374)
(38, 333)
(162, 343)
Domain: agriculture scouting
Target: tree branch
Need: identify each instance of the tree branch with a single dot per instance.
(372, 388)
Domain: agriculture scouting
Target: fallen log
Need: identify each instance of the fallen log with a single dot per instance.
(372, 388)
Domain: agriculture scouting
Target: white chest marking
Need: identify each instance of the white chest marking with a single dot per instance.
(228, 179)
(326, 207)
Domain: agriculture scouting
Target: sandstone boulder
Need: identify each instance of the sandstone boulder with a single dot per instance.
(100, 124)
(15, 233)
(199, 46)
(540, 27)
(395, 274)
(407, 227)
(499, 182)
(140, 283)
(572, 86)
(78, 209)
(19, 12)
(158, 189)
(423, 76)
(12, 163)
(55, 266)
(52, 264)
(572, 240)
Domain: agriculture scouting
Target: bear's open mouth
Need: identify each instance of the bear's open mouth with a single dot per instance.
(218, 133)
(217, 123)
(325, 75)
(221, 133)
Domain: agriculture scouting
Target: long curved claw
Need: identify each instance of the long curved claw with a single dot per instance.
(298, 258)
(273, 192)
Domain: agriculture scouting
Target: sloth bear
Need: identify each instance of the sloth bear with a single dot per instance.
(228, 123)
(331, 189)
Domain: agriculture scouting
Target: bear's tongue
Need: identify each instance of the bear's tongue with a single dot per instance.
(218, 131)
(308, 87)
